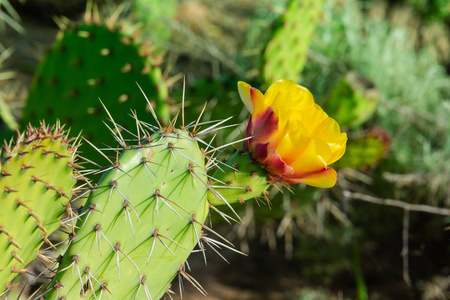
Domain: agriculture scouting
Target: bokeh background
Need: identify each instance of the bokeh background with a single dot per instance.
(380, 67)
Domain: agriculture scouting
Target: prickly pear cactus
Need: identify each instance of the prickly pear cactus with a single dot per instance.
(141, 223)
(89, 61)
(285, 53)
(37, 182)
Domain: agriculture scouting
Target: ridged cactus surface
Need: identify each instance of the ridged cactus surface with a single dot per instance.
(141, 223)
(91, 61)
(36, 181)
(285, 54)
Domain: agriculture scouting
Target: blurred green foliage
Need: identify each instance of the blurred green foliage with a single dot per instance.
(352, 101)
(433, 9)
(362, 152)
(154, 18)
(414, 88)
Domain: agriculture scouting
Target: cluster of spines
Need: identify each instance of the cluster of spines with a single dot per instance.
(27, 185)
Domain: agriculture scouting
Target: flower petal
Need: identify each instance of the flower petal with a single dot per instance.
(285, 93)
(329, 131)
(244, 92)
(308, 164)
(323, 179)
(314, 117)
(291, 136)
(264, 126)
(337, 146)
(275, 165)
(258, 100)
(260, 152)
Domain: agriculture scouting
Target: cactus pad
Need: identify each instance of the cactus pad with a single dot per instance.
(285, 53)
(91, 61)
(141, 223)
(36, 181)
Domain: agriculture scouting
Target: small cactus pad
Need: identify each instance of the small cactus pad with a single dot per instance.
(244, 180)
(141, 223)
(91, 61)
(365, 151)
(36, 183)
(353, 100)
(285, 54)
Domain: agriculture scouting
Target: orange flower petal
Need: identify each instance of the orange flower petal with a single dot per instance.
(323, 179)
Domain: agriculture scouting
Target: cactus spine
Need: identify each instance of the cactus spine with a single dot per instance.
(36, 182)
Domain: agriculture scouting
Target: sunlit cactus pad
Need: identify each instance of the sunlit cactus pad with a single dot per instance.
(285, 54)
(36, 181)
(140, 224)
(90, 61)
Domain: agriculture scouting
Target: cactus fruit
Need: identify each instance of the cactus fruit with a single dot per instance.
(143, 220)
(89, 61)
(353, 100)
(37, 182)
(286, 52)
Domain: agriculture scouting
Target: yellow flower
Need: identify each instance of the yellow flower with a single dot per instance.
(291, 136)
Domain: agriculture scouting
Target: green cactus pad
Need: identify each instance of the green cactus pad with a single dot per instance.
(353, 100)
(243, 180)
(364, 151)
(285, 54)
(91, 61)
(141, 223)
(36, 181)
